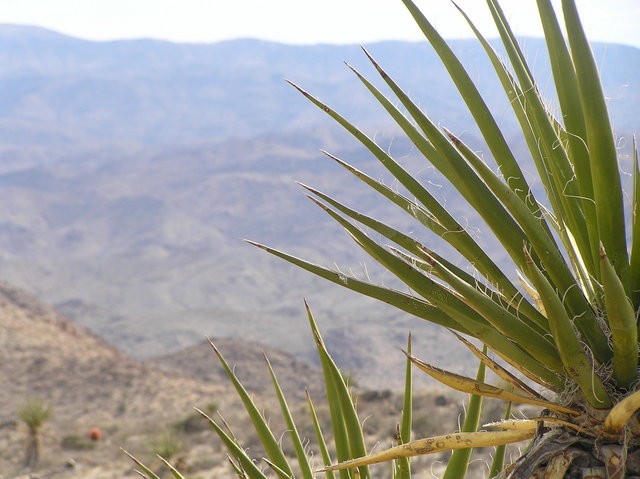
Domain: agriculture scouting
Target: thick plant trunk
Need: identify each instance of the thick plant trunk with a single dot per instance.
(566, 455)
(33, 449)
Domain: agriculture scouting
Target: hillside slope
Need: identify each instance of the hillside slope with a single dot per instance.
(88, 384)
(85, 379)
(247, 359)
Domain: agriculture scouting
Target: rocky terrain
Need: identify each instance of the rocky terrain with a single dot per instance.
(90, 384)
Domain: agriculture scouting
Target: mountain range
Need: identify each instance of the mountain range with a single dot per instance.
(65, 90)
(130, 171)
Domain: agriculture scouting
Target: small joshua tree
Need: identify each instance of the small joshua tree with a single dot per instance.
(34, 413)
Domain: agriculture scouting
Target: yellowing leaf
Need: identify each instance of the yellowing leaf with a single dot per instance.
(448, 442)
(471, 386)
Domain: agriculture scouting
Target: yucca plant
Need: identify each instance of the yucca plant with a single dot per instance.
(568, 324)
(34, 413)
(564, 332)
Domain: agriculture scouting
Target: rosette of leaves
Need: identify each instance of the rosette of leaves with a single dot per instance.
(565, 332)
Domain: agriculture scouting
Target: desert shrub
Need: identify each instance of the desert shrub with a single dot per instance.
(167, 443)
(205, 463)
(371, 425)
(375, 395)
(425, 424)
(441, 400)
(76, 442)
(192, 423)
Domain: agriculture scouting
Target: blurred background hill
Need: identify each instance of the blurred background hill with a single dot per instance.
(130, 171)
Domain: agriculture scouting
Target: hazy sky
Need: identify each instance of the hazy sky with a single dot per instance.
(297, 21)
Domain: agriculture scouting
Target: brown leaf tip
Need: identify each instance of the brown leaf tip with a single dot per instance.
(456, 141)
(603, 253)
(257, 245)
(527, 256)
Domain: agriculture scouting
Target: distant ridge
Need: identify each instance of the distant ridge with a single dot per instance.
(15, 29)
(160, 92)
